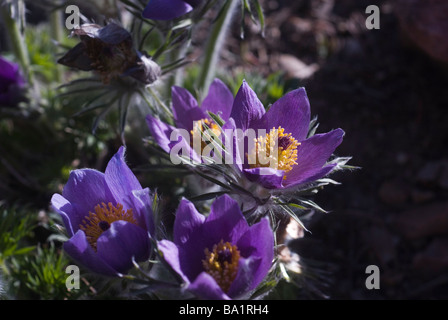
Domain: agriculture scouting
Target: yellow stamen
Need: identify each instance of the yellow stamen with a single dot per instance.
(222, 263)
(201, 130)
(96, 223)
(276, 150)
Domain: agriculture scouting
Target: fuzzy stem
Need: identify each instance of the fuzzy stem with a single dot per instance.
(214, 45)
(56, 34)
(18, 45)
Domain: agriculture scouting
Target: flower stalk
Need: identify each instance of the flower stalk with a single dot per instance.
(214, 45)
(17, 38)
(56, 35)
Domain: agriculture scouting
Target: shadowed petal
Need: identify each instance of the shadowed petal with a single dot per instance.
(122, 241)
(244, 279)
(188, 220)
(189, 236)
(160, 131)
(190, 116)
(113, 34)
(219, 100)
(77, 57)
(166, 9)
(80, 250)
(292, 113)
(258, 242)
(225, 222)
(205, 287)
(268, 177)
(182, 101)
(171, 256)
(143, 203)
(312, 155)
(246, 108)
(311, 175)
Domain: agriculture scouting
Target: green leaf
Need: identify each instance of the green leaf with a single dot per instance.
(24, 250)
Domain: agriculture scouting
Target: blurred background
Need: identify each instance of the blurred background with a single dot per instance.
(386, 88)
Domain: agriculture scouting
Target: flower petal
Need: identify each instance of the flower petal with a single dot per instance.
(119, 178)
(205, 287)
(243, 282)
(225, 222)
(77, 57)
(189, 235)
(219, 100)
(258, 242)
(113, 34)
(143, 204)
(160, 131)
(171, 256)
(9, 73)
(65, 209)
(80, 250)
(292, 113)
(268, 177)
(121, 182)
(166, 9)
(188, 220)
(188, 119)
(182, 101)
(247, 108)
(121, 242)
(85, 189)
(312, 155)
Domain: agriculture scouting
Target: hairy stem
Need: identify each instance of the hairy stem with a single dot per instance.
(214, 45)
(18, 44)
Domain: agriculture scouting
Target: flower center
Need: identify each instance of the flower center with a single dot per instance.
(96, 223)
(222, 263)
(276, 150)
(203, 131)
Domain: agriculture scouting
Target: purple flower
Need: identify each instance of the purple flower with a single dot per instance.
(296, 158)
(108, 217)
(168, 9)
(219, 256)
(190, 118)
(11, 82)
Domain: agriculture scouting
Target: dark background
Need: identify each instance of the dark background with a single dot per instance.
(387, 90)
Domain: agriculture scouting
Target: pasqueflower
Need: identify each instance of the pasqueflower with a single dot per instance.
(281, 154)
(11, 82)
(219, 256)
(107, 216)
(191, 119)
(168, 9)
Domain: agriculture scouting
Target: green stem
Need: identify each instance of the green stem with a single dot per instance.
(167, 111)
(18, 44)
(214, 45)
(56, 34)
